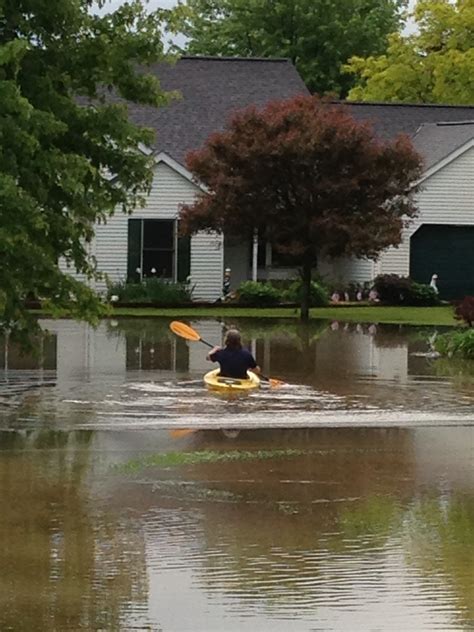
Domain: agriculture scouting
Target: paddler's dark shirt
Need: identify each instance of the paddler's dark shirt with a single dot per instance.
(234, 362)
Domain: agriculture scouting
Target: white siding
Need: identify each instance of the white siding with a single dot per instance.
(69, 268)
(207, 263)
(397, 260)
(169, 191)
(446, 197)
(347, 270)
(237, 258)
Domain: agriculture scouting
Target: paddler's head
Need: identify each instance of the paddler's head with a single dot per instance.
(233, 340)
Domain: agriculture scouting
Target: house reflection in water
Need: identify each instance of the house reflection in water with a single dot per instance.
(21, 371)
(77, 350)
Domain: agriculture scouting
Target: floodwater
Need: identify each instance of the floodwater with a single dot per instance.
(343, 500)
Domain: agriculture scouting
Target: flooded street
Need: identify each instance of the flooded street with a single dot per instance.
(137, 374)
(345, 502)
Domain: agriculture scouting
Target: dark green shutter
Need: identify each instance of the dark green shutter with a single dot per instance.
(134, 249)
(184, 257)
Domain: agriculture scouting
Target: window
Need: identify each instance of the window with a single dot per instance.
(158, 248)
(155, 250)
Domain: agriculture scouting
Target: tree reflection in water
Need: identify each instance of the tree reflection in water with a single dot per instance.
(66, 563)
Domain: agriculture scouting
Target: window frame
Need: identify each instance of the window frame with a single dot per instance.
(142, 249)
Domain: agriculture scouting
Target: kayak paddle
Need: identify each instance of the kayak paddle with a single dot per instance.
(182, 432)
(187, 332)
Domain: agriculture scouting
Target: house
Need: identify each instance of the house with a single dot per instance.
(147, 242)
(441, 239)
(211, 89)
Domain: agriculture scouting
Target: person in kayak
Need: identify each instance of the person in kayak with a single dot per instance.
(233, 360)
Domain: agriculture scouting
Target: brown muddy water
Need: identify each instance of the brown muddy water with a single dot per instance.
(345, 502)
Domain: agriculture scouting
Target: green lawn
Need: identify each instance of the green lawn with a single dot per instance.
(370, 314)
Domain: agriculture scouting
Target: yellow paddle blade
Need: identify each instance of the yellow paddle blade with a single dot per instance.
(185, 331)
(182, 432)
(275, 383)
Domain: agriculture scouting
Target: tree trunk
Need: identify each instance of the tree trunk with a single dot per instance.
(306, 288)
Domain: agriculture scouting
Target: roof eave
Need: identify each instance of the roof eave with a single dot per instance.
(445, 161)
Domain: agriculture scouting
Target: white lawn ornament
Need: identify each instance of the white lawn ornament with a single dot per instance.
(433, 284)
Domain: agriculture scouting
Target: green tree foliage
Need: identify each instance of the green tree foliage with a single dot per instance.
(58, 152)
(434, 65)
(319, 36)
(309, 178)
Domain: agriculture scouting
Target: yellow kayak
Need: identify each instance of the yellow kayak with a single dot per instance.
(215, 381)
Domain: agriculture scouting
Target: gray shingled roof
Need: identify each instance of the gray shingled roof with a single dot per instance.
(390, 119)
(436, 141)
(212, 88)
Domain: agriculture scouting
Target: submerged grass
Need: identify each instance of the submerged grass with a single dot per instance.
(174, 459)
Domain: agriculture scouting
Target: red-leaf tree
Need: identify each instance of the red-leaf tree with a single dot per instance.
(311, 180)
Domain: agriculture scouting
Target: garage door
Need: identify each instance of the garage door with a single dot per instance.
(447, 251)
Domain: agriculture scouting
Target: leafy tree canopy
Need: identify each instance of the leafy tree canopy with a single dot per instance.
(319, 36)
(57, 153)
(434, 65)
(309, 178)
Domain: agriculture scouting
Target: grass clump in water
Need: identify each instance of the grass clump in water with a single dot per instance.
(174, 459)
(456, 343)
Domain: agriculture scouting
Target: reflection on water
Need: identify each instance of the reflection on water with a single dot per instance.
(135, 372)
(65, 565)
(363, 521)
(368, 529)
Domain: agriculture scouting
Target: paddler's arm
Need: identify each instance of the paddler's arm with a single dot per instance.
(211, 353)
(254, 366)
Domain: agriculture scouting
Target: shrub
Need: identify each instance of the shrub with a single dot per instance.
(464, 310)
(281, 284)
(127, 292)
(456, 343)
(422, 294)
(154, 291)
(162, 292)
(258, 294)
(318, 295)
(393, 289)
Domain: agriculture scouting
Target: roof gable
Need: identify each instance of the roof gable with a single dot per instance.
(460, 151)
(438, 141)
(164, 158)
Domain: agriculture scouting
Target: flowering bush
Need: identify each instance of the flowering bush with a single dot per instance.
(155, 291)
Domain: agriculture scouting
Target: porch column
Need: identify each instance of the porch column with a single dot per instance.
(255, 255)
